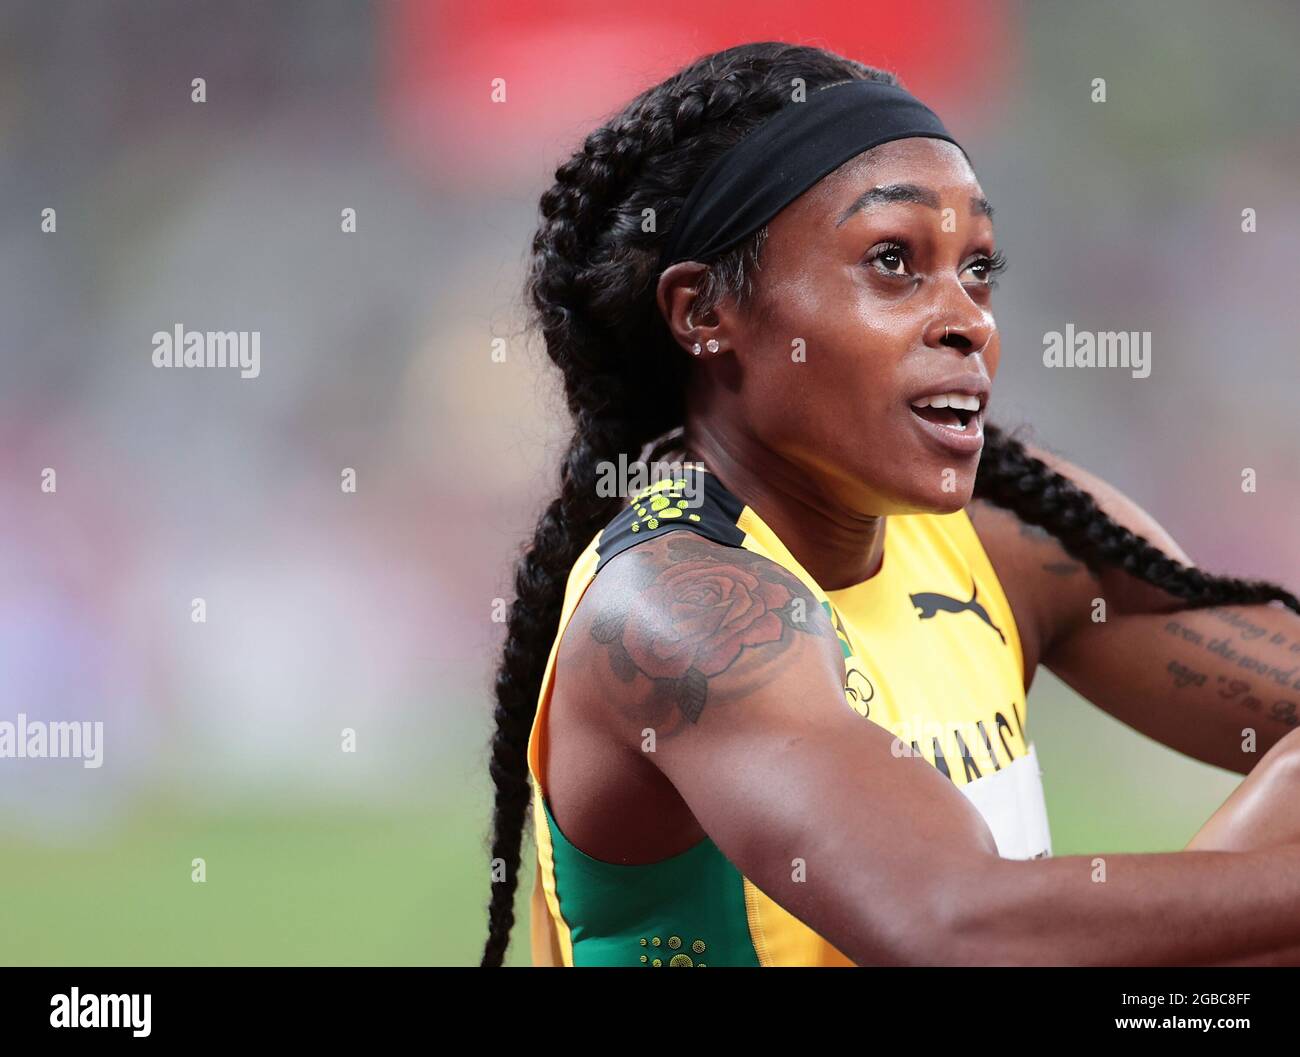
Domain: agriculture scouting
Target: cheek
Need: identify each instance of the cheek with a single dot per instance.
(827, 361)
(870, 345)
(993, 354)
(845, 328)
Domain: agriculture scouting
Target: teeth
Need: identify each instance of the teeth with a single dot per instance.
(961, 401)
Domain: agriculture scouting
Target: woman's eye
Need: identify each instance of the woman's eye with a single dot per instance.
(891, 260)
(983, 269)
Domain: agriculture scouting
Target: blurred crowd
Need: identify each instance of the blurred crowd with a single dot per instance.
(371, 610)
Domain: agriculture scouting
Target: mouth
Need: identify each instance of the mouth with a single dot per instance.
(955, 420)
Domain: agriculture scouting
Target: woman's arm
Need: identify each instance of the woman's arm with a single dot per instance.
(1197, 680)
(876, 851)
(1250, 818)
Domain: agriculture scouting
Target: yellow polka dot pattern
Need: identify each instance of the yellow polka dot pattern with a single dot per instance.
(662, 501)
(677, 961)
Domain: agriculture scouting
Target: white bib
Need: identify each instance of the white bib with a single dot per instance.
(1011, 801)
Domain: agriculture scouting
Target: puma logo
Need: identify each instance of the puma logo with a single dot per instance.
(928, 603)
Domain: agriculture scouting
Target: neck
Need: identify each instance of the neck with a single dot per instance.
(837, 547)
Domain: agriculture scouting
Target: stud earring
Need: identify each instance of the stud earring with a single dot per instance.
(712, 345)
(696, 350)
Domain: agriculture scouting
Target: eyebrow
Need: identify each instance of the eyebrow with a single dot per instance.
(890, 193)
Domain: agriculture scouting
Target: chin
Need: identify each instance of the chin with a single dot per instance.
(938, 501)
(919, 493)
(951, 502)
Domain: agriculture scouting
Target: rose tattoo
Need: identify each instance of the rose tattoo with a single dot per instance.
(718, 608)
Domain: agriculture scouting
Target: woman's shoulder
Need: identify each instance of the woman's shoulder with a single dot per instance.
(665, 619)
(690, 499)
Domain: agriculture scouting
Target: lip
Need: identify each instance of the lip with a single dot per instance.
(967, 384)
(970, 442)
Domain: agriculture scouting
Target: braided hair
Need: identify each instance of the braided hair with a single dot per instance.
(591, 288)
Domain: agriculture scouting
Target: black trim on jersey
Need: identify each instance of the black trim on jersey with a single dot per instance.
(717, 510)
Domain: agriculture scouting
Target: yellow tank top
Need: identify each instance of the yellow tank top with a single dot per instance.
(931, 653)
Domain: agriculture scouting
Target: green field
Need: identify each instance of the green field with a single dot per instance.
(303, 888)
(408, 887)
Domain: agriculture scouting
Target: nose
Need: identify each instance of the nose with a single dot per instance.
(964, 326)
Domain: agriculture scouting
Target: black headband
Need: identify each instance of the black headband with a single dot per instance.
(780, 159)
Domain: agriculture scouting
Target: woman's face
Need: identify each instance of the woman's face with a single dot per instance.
(873, 296)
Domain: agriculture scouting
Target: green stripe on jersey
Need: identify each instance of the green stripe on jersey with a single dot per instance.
(685, 911)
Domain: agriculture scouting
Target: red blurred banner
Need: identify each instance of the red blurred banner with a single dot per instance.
(567, 65)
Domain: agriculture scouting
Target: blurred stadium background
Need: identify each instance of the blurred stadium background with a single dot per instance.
(372, 611)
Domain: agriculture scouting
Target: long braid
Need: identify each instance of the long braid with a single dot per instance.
(1011, 477)
(591, 286)
(539, 592)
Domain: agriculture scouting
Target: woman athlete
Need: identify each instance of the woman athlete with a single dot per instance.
(773, 708)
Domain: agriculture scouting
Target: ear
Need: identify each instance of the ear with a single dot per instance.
(701, 336)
